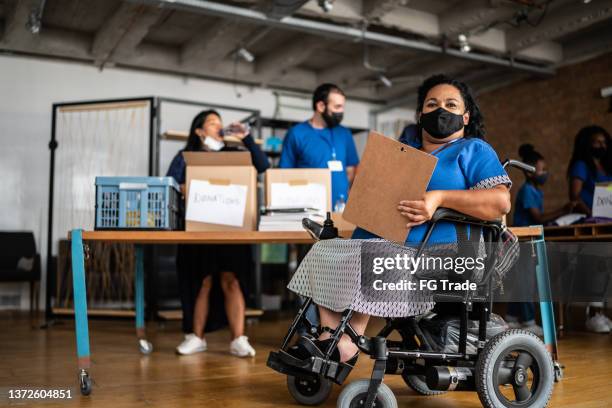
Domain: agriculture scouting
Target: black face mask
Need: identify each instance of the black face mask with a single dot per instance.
(541, 178)
(441, 123)
(599, 152)
(332, 119)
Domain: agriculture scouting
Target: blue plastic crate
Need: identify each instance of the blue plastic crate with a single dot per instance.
(137, 203)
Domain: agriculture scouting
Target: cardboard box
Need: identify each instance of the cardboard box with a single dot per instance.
(389, 172)
(223, 169)
(299, 178)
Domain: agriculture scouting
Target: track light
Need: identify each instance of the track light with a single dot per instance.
(326, 5)
(34, 22)
(464, 45)
(385, 81)
(245, 54)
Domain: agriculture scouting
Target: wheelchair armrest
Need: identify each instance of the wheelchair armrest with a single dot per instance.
(447, 214)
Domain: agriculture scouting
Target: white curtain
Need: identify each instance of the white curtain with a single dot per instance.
(95, 140)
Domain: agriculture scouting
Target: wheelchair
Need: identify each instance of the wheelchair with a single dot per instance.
(510, 368)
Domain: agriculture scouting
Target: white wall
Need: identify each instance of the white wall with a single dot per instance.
(29, 86)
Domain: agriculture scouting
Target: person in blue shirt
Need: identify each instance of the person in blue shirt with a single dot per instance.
(591, 163)
(468, 176)
(322, 142)
(529, 204)
(529, 210)
(210, 276)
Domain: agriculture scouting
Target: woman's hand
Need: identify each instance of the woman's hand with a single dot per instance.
(420, 211)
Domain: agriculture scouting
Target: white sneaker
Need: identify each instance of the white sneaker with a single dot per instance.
(240, 347)
(191, 345)
(534, 328)
(608, 321)
(597, 324)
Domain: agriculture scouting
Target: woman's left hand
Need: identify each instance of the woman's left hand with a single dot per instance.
(420, 211)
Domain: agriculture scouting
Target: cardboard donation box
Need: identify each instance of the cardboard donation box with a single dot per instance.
(389, 172)
(602, 200)
(291, 188)
(221, 192)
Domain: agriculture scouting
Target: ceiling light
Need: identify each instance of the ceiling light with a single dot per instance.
(464, 45)
(34, 23)
(385, 81)
(245, 54)
(326, 5)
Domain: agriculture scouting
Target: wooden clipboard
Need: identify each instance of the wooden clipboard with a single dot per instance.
(389, 172)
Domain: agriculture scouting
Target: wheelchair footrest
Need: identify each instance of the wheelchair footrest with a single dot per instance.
(312, 364)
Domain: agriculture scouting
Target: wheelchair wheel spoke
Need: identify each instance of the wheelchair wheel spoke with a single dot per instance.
(524, 360)
(522, 393)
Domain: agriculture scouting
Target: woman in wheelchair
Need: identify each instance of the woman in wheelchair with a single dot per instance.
(470, 182)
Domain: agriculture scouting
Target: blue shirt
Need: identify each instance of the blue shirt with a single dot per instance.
(463, 164)
(307, 147)
(581, 171)
(529, 196)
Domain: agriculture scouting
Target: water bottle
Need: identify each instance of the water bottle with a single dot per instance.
(236, 128)
(340, 204)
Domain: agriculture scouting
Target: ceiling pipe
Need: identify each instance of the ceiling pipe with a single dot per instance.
(336, 31)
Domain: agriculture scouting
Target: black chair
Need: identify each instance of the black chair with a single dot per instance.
(20, 262)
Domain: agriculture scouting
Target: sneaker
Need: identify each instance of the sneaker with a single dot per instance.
(608, 321)
(597, 324)
(240, 347)
(191, 345)
(531, 326)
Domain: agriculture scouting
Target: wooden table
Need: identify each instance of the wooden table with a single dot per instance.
(579, 232)
(141, 238)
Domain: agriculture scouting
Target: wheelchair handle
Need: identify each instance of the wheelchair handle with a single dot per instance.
(519, 165)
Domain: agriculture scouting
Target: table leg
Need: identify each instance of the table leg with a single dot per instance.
(145, 346)
(79, 291)
(257, 254)
(546, 304)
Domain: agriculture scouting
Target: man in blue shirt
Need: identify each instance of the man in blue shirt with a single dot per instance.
(321, 142)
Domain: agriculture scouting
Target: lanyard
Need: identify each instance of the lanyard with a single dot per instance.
(330, 141)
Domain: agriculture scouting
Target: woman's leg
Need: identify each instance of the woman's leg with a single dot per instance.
(200, 312)
(234, 303)
(331, 319)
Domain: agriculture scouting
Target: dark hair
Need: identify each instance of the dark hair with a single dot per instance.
(193, 141)
(475, 127)
(322, 93)
(529, 155)
(582, 149)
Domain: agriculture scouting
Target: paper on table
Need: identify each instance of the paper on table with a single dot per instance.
(216, 204)
(602, 200)
(310, 195)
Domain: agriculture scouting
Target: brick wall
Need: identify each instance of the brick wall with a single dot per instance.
(548, 113)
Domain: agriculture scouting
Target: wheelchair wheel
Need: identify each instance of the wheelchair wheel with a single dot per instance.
(417, 384)
(354, 396)
(309, 391)
(514, 370)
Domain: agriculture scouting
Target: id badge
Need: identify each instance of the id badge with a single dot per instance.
(335, 165)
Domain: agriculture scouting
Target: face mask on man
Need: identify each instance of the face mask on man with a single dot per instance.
(441, 123)
(213, 144)
(599, 152)
(332, 119)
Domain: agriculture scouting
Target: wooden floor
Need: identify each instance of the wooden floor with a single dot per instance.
(45, 359)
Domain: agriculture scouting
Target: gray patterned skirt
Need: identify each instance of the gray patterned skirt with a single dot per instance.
(331, 274)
